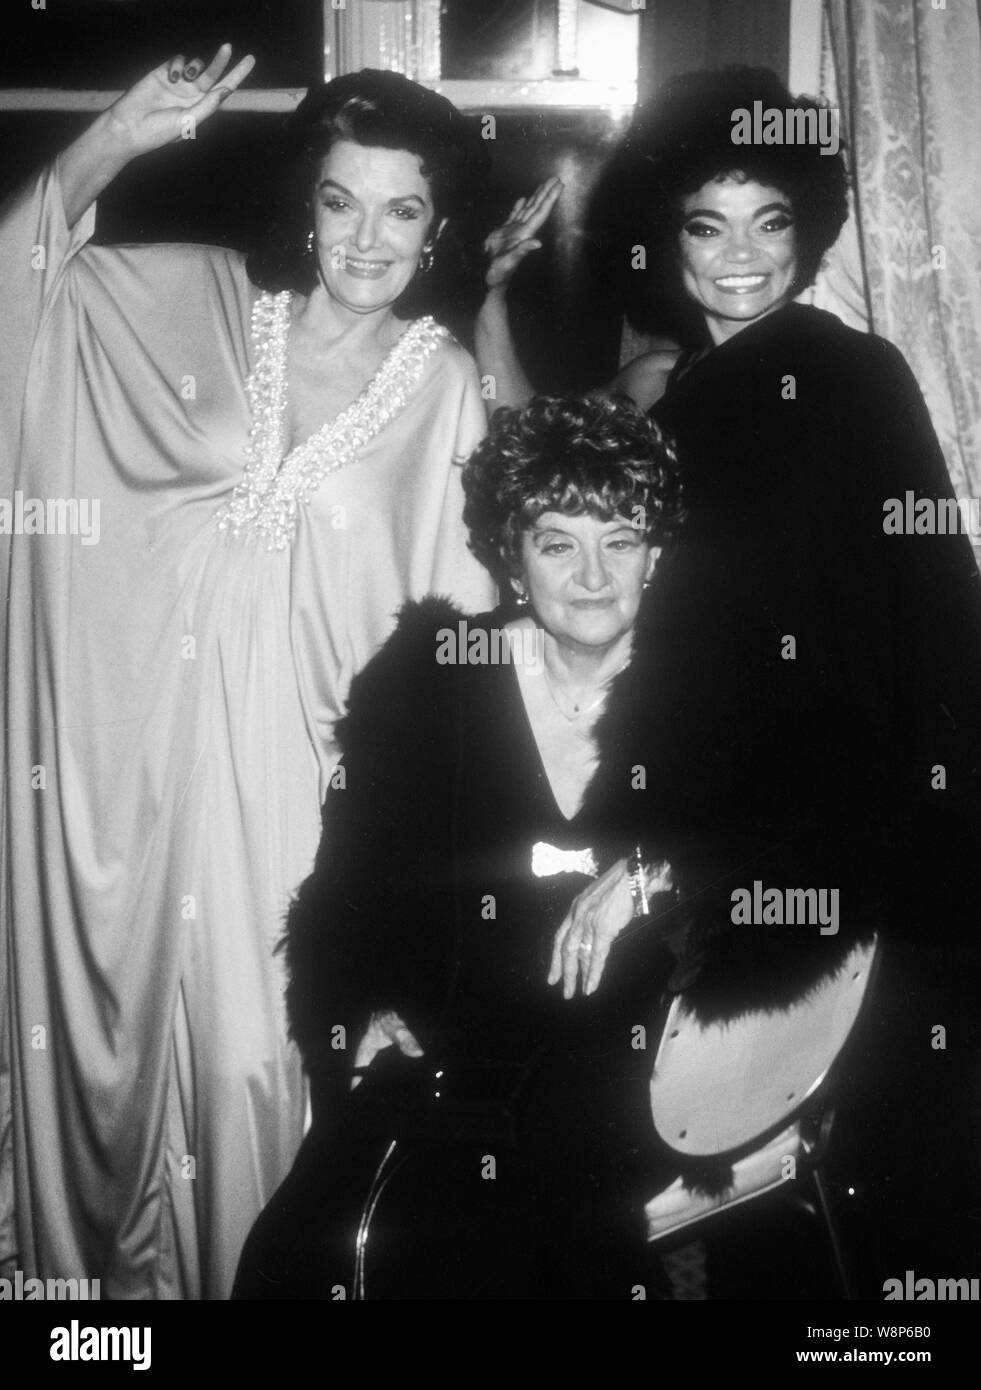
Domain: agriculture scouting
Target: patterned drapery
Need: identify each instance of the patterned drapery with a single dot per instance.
(908, 77)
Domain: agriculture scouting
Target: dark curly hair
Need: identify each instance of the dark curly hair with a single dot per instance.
(590, 453)
(681, 140)
(378, 110)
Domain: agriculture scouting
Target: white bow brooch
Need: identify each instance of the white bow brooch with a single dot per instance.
(546, 860)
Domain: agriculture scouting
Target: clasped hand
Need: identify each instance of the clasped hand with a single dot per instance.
(592, 924)
(579, 954)
(383, 1030)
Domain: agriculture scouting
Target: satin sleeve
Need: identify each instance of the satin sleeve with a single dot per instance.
(36, 247)
(456, 572)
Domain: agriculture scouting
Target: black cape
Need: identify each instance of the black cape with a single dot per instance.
(795, 435)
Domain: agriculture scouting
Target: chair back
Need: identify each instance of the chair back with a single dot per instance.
(717, 1087)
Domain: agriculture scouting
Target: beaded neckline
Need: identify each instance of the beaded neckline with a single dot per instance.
(265, 504)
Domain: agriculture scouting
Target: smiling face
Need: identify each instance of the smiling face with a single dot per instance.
(373, 213)
(738, 252)
(584, 576)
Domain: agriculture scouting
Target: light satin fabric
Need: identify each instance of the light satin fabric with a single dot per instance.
(171, 697)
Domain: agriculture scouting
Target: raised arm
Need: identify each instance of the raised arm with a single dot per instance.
(508, 245)
(645, 379)
(161, 108)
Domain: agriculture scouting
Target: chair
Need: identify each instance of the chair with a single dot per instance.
(754, 1093)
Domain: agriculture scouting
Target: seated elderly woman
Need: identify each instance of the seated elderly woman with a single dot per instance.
(451, 936)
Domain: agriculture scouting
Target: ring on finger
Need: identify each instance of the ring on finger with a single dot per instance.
(585, 948)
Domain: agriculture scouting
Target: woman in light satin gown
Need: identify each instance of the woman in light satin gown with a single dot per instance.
(221, 481)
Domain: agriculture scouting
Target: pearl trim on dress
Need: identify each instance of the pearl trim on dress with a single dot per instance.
(265, 504)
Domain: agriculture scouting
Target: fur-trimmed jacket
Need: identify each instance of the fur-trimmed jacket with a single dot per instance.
(441, 793)
(819, 577)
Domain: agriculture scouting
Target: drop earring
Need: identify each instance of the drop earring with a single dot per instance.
(520, 598)
(427, 260)
(311, 242)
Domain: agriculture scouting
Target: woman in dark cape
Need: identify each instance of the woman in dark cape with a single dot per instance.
(825, 598)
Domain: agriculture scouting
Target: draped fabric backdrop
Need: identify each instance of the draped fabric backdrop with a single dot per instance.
(908, 79)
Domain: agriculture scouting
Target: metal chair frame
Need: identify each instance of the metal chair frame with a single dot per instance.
(813, 1116)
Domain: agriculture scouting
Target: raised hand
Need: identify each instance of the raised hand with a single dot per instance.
(160, 107)
(510, 243)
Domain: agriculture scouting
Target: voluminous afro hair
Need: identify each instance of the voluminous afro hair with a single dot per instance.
(579, 454)
(681, 140)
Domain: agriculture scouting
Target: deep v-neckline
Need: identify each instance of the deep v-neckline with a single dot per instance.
(276, 483)
(324, 431)
(535, 760)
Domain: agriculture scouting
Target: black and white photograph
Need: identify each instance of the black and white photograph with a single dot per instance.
(490, 561)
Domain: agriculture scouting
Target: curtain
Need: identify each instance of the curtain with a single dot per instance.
(908, 79)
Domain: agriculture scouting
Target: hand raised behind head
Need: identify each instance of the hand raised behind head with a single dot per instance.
(510, 243)
(174, 97)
